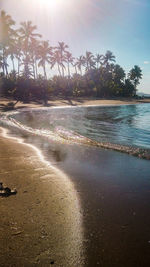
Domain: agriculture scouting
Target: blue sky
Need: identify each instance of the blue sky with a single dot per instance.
(121, 26)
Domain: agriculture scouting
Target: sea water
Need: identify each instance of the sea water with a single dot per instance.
(125, 128)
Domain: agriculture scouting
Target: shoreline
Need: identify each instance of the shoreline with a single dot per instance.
(140, 152)
(74, 102)
(37, 226)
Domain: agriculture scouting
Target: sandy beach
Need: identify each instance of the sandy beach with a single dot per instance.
(75, 102)
(83, 215)
(41, 225)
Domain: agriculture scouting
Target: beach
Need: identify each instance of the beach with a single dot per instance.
(91, 211)
(37, 225)
(57, 102)
(74, 133)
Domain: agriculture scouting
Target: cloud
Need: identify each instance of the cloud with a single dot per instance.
(146, 62)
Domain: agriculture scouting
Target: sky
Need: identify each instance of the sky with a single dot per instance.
(121, 26)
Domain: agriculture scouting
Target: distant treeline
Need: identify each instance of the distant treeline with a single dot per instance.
(88, 75)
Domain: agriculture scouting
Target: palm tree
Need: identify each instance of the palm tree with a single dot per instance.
(69, 60)
(27, 35)
(61, 48)
(11, 51)
(27, 63)
(44, 55)
(1, 62)
(18, 52)
(34, 51)
(56, 59)
(75, 66)
(108, 57)
(89, 60)
(98, 59)
(6, 23)
(135, 75)
(118, 73)
(80, 63)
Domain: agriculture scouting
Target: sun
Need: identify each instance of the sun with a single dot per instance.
(53, 4)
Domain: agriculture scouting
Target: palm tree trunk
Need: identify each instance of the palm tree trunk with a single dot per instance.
(12, 59)
(6, 67)
(45, 75)
(3, 56)
(33, 66)
(18, 66)
(59, 69)
(3, 68)
(68, 70)
(36, 71)
(75, 69)
(63, 71)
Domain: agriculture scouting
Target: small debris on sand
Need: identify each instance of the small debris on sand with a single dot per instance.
(6, 191)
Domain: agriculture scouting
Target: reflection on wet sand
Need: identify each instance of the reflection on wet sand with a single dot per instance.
(59, 209)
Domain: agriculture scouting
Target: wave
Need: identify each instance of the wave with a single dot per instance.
(62, 135)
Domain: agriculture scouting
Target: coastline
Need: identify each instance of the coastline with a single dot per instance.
(37, 224)
(75, 102)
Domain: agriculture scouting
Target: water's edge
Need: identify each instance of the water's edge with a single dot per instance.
(62, 136)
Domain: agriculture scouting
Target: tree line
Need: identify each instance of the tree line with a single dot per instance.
(88, 75)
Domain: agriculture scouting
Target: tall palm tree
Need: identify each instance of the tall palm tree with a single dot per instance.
(69, 60)
(1, 62)
(27, 63)
(34, 51)
(11, 51)
(98, 59)
(6, 23)
(18, 53)
(80, 63)
(44, 55)
(118, 73)
(135, 75)
(75, 66)
(89, 60)
(27, 35)
(56, 59)
(108, 57)
(61, 48)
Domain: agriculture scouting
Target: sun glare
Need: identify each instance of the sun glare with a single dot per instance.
(53, 4)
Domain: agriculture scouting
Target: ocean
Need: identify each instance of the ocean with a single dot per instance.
(124, 128)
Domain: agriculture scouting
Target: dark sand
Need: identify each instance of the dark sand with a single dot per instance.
(115, 195)
(42, 223)
(114, 191)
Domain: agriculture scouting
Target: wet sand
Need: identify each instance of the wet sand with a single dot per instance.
(99, 217)
(42, 224)
(114, 190)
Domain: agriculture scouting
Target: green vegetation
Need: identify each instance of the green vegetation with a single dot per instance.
(28, 55)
